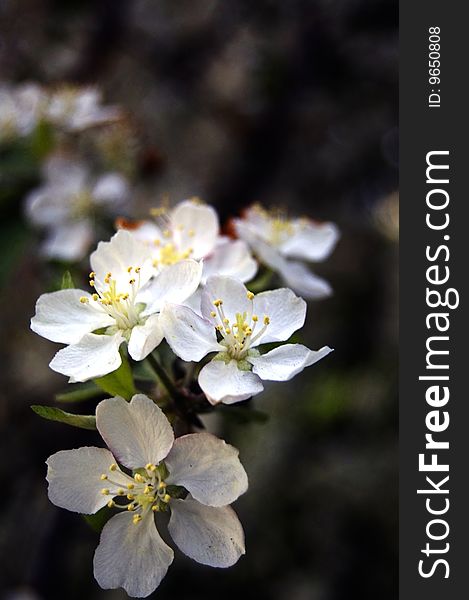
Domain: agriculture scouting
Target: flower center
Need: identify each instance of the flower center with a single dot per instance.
(176, 243)
(240, 335)
(82, 203)
(143, 492)
(121, 306)
(280, 228)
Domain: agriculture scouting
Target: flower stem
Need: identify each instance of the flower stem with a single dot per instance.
(163, 377)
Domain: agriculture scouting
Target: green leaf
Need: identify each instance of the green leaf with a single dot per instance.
(99, 519)
(67, 281)
(119, 382)
(80, 392)
(56, 414)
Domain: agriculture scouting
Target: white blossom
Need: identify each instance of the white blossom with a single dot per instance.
(77, 108)
(191, 229)
(131, 553)
(21, 109)
(124, 307)
(68, 202)
(282, 245)
(234, 323)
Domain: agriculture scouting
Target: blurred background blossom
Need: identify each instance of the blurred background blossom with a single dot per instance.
(290, 104)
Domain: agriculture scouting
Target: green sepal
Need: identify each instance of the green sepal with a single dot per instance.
(56, 414)
(176, 491)
(80, 392)
(119, 382)
(67, 281)
(99, 519)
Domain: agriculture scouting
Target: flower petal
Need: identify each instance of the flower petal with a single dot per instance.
(231, 259)
(116, 256)
(267, 253)
(137, 432)
(131, 555)
(74, 478)
(45, 206)
(211, 536)
(286, 311)
(191, 337)
(201, 221)
(173, 284)
(225, 383)
(145, 338)
(93, 356)
(208, 468)
(304, 282)
(233, 294)
(311, 241)
(61, 317)
(283, 363)
(111, 190)
(68, 241)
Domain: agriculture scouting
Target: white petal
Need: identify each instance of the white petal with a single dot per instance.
(211, 536)
(208, 468)
(311, 241)
(201, 221)
(61, 317)
(111, 189)
(225, 383)
(137, 432)
(266, 252)
(304, 282)
(69, 241)
(93, 356)
(286, 311)
(117, 255)
(191, 337)
(283, 363)
(231, 259)
(145, 231)
(145, 338)
(131, 556)
(46, 206)
(233, 294)
(65, 174)
(173, 284)
(74, 478)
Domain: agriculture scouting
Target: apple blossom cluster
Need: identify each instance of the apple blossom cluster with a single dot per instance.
(174, 322)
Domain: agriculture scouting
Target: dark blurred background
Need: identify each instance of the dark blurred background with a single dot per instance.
(291, 104)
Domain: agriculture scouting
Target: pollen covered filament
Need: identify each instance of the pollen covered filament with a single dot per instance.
(145, 492)
(120, 305)
(240, 335)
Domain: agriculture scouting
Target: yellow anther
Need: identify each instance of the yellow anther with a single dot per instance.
(155, 508)
(151, 498)
(108, 274)
(137, 270)
(147, 489)
(105, 492)
(228, 330)
(131, 506)
(83, 299)
(166, 498)
(255, 318)
(103, 476)
(226, 321)
(130, 486)
(136, 519)
(120, 492)
(219, 327)
(111, 504)
(250, 295)
(150, 467)
(92, 275)
(157, 211)
(213, 314)
(191, 233)
(130, 497)
(131, 281)
(125, 296)
(95, 297)
(92, 282)
(113, 467)
(161, 485)
(166, 233)
(266, 320)
(107, 280)
(129, 269)
(248, 331)
(218, 302)
(138, 478)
